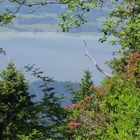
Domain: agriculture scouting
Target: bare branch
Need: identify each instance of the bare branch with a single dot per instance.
(35, 9)
(22, 3)
(94, 62)
(44, 3)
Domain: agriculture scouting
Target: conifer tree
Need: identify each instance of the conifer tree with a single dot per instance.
(52, 114)
(85, 87)
(15, 104)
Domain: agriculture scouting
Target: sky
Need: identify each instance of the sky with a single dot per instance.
(60, 55)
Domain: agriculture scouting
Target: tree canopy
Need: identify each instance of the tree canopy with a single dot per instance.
(15, 104)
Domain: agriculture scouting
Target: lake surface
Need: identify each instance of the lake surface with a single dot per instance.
(61, 56)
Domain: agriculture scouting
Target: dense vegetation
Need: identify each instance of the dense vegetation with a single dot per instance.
(110, 110)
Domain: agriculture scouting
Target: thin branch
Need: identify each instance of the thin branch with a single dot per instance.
(35, 9)
(43, 3)
(94, 62)
(25, 3)
(20, 5)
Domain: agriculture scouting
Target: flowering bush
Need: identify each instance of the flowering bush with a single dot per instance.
(112, 111)
(133, 68)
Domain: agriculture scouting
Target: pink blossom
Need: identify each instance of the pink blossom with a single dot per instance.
(138, 55)
(72, 106)
(131, 55)
(74, 124)
(66, 107)
(130, 70)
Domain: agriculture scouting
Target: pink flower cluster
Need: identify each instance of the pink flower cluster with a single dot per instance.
(134, 55)
(70, 106)
(132, 65)
(74, 124)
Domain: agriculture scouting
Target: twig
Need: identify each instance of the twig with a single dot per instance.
(20, 5)
(94, 62)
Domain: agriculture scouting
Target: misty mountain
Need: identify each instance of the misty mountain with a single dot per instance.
(46, 19)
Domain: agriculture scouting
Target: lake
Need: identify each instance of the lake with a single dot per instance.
(59, 55)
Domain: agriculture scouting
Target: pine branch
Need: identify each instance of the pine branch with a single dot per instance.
(2, 51)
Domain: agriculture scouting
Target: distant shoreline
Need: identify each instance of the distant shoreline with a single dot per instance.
(79, 35)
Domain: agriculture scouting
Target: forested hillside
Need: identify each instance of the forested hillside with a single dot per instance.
(64, 89)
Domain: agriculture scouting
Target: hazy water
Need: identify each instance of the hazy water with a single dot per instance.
(61, 56)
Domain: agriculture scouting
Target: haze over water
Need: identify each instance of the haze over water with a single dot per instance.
(61, 56)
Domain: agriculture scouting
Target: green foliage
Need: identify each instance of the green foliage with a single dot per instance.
(20, 117)
(121, 107)
(76, 15)
(85, 87)
(124, 25)
(6, 18)
(15, 103)
(52, 115)
(113, 111)
(35, 134)
(115, 114)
